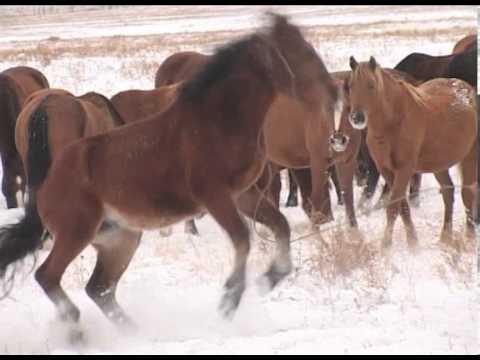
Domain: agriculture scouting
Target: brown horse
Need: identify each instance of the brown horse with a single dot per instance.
(16, 84)
(66, 118)
(134, 105)
(296, 132)
(428, 128)
(199, 154)
(464, 43)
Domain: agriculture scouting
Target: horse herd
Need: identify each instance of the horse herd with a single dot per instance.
(212, 137)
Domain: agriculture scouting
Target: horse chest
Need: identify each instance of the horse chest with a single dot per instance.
(381, 149)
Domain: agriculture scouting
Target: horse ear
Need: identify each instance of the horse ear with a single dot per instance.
(353, 63)
(372, 63)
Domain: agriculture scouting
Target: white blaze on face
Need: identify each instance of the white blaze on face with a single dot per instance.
(338, 113)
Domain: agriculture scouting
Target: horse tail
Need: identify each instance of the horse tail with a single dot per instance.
(25, 237)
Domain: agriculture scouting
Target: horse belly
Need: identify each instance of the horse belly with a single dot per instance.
(149, 219)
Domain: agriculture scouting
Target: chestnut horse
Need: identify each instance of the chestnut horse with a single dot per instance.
(428, 128)
(16, 84)
(296, 133)
(65, 118)
(423, 67)
(199, 154)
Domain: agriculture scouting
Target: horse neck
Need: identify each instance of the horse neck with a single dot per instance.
(249, 108)
(390, 112)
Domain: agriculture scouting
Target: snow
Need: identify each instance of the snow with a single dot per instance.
(341, 298)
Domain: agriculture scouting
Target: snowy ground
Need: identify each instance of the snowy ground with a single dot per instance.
(342, 299)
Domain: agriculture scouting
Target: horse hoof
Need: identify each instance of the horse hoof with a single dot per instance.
(76, 337)
(166, 232)
(231, 300)
(273, 276)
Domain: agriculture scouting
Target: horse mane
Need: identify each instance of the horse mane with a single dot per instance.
(216, 69)
(418, 97)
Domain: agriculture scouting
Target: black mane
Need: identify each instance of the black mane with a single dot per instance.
(216, 69)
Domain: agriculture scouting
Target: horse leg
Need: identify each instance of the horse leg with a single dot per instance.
(399, 202)
(303, 178)
(391, 211)
(292, 200)
(446, 188)
(191, 227)
(373, 176)
(115, 248)
(65, 249)
(223, 209)
(9, 181)
(256, 207)
(346, 171)
(336, 183)
(322, 210)
(469, 189)
(415, 185)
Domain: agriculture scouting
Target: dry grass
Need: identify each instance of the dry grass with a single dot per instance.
(54, 47)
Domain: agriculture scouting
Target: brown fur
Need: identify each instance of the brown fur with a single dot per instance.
(16, 84)
(69, 118)
(296, 132)
(411, 129)
(464, 44)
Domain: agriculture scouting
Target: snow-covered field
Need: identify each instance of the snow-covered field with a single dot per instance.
(342, 298)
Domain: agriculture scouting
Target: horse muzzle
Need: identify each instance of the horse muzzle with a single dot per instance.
(339, 141)
(358, 120)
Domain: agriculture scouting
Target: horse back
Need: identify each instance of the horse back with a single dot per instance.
(178, 67)
(28, 80)
(134, 105)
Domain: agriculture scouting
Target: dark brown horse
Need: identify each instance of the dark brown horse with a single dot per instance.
(296, 133)
(428, 128)
(199, 154)
(425, 67)
(16, 84)
(65, 117)
(134, 105)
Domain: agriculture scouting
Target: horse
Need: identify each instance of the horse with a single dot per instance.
(65, 117)
(138, 104)
(465, 43)
(296, 133)
(421, 68)
(16, 84)
(411, 129)
(199, 154)
(425, 67)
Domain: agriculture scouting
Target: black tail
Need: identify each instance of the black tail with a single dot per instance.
(24, 238)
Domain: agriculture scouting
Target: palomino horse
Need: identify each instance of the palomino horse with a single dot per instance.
(428, 128)
(465, 43)
(65, 118)
(16, 84)
(296, 132)
(199, 154)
